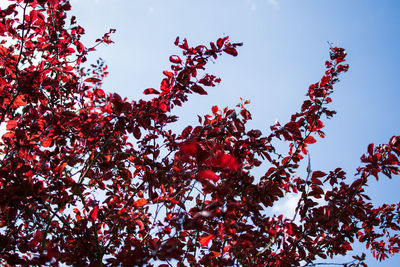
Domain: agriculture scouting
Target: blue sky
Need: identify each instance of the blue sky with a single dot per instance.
(285, 47)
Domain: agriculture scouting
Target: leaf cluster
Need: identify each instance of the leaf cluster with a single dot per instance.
(89, 178)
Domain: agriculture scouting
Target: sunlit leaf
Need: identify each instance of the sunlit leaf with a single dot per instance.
(208, 174)
(206, 239)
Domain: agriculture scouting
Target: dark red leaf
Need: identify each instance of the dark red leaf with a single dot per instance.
(54, 2)
(92, 80)
(318, 174)
(221, 41)
(324, 80)
(347, 246)
(198, 89)
(149, 91)
(80, 47)
(136, 133)
(175, 59)
(371, 149)
(37, 238)
(231, 51)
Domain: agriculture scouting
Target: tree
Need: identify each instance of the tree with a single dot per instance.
(89, 178)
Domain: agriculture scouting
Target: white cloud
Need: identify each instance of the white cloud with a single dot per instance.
(4, 3)
(287, 206)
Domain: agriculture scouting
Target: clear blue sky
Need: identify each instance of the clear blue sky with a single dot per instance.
(285, 46)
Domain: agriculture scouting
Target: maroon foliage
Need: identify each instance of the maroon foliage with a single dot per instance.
(89, 178)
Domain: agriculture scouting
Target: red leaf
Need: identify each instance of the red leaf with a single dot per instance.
(137, 133)
(226, 249)
(11, 125)
(37, 237)
(175, 59)
(163, 107)
(293, 128)
(227, 161)
(395, 141)
(371, 149)
(165, 85)
(310, 140)
(324, 80)
(33, 15)
(198, 89)
(392, 160)
(93, 213)
(149, 91)
(47, 142)
(205, 240)
(184, 45)
(100, 93)
(168, 73)
(140, 223)
(315, 180)
(221, 41)
(357, 183)
(19, 101)
(8, 135)
(186, 131)
(54, 2)
(61, 167)
(318, 174)
(208, 174)
(189, 148)
(231, 51)
(347, 246)
(214, 109)
(80, 47)
(140, 203)
(92, 80)
(316, 191)
(176, 41)
(52, 251)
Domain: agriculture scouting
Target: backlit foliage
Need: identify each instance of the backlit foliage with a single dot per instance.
(89, 178)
